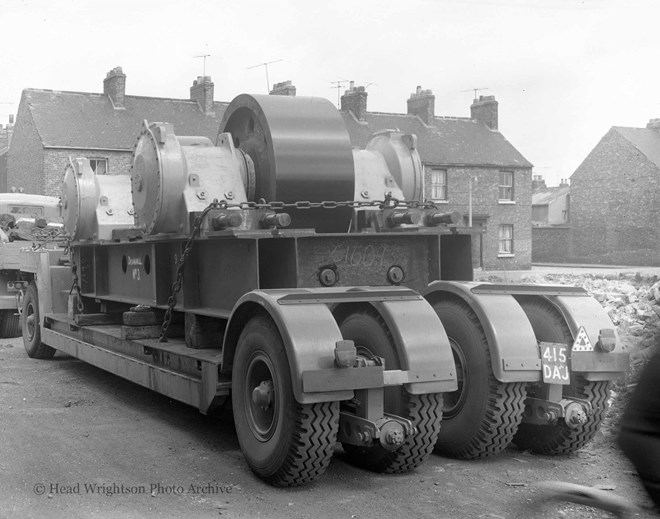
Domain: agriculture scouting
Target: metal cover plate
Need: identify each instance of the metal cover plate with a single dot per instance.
(554, 357)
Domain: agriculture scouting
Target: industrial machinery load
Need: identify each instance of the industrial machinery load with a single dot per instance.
(304, 281)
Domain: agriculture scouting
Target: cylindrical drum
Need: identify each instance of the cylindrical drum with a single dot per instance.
(301, 152)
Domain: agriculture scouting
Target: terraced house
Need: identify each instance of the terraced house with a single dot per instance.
(469, 166)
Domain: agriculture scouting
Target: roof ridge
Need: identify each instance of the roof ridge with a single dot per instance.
(98, 94)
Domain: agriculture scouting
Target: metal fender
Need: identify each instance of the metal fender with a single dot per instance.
(310, 333)
(586, 312)
(422, 345)
(511, 340)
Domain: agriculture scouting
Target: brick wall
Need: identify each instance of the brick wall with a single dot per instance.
(550, 244)
(485, 194)
(615, 206)
(25, 156)
(55, 161)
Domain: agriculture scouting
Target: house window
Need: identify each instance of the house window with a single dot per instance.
(439, 184)
(506, 185)
(99, 166)
(506, 239)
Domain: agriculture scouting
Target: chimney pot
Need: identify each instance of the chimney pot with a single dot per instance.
(284, 88)
(355, 100)
(485, 109)
(653, 124)
(201, 91)
(114, 86)
(422, 104)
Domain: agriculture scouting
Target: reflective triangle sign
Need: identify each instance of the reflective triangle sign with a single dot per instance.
(582, 342)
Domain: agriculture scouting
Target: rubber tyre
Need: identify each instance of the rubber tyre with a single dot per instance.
(481, 418)
(549, 326)
(288, 444)
(10, 324)
(367, 329)
(32, 326)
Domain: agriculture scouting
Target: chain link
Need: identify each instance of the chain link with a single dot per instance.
(74, 272)
(388, 203)
(176, 286)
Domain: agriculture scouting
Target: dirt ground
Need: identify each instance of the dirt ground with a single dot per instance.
(76, 441)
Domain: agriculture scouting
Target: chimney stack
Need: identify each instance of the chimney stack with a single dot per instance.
(285, 88)
(484, 109)
(355, 100)
(538, 182)
(114, 86)
(422, 104)
(202, 92)
(564, 182)
(653, 124)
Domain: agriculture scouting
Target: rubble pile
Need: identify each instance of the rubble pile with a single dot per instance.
(632, 302)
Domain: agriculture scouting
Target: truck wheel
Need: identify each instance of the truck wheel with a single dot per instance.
(284, 442)
(32, 327)
(549, 326)
(481, 417)
(10, 324)
(372, 338)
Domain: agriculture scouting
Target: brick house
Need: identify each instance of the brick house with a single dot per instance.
(52, 126)
(615, 199)
(463, 158)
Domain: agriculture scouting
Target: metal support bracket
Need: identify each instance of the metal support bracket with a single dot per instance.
(390, 431)
(573, 411)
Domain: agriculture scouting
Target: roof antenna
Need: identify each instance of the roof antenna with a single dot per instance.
(475, 90)
(265, 65)
(338, 84)
(204, 56)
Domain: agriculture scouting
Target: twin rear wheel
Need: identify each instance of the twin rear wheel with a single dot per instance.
(372, 338)
(484, 416)
(287, 443)
(481, 418)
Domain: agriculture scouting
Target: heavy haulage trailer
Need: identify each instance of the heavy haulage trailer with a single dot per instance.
(304, 282)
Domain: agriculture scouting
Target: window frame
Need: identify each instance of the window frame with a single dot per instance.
(97, 161)
(435, 185)
(505, 244)
(506, 192)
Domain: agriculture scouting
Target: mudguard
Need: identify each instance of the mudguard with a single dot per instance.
(513, 348)
(515, 356)
(588, 313)
(310, 333)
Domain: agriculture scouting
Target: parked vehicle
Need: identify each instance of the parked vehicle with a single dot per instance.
(306, 282)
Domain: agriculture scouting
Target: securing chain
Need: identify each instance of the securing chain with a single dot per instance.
(176, 286)
(74, 272)
(388, 203)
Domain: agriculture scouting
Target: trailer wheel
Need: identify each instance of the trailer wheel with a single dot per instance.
(10, 324)
(482, 416)
(284, 442)
(372, 338)
(32, 327)
(549, 326)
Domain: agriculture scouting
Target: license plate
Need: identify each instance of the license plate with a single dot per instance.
(554, 358)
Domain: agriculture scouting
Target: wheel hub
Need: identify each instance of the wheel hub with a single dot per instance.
(262, 395)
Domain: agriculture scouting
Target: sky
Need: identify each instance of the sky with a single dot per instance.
(563, 71)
